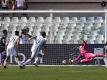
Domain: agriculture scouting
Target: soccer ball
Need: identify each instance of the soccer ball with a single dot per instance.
(64, 62)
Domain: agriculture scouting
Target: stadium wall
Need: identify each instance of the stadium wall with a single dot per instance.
(66, 0)
(64, 4)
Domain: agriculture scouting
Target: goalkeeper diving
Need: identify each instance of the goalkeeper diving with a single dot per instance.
(87, 56)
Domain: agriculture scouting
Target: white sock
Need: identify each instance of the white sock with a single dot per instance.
(27, 61)
(5, 63)
(19, 63)
(36, 60)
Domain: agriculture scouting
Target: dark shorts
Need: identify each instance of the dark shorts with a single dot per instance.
(1, 7)
(39, 55)
(5, 8)
(19, 8)
(3, 55)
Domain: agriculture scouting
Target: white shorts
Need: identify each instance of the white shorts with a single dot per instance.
(11, 51)
(35, 52)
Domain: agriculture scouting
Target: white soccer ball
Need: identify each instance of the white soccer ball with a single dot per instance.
(64, 61)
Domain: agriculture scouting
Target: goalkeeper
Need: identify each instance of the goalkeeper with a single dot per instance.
(87, 57)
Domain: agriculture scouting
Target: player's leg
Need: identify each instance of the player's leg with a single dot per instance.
(99, 55)
(85, 60)
(5, 62)
(17, 59)
(7, 57)
(37, 59)
(3, 56)
(15, 54)
(32, 56)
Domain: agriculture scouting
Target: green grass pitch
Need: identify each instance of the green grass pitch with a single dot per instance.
(53, 73)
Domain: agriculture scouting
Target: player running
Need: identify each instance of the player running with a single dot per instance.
(87, 56)
(38, 45)
(3, 40)
(12, 48)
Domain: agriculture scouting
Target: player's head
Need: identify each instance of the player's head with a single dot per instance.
(17, 33)
(43, 34)
(4, 32)
(23, 31)
(81, 46)
(27, 30)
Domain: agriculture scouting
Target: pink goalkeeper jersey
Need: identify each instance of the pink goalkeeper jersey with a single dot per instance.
(84, 49)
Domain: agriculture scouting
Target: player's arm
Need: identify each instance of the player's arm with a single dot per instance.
(105, 46)
(17, 45)
(31, 38)
(6, 43)
(77, 58)
(44, 49)
(84, 44)
(43, 42)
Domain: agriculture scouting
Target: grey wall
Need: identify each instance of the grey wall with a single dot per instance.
(64, 6)
(66, 0)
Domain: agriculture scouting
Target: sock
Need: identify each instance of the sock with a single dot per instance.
(5, 63)
(19, 63)
(36, 60)
(99, 55)
(27, 61)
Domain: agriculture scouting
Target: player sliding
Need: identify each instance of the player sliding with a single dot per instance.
(38, 45)
(12, 48)
(87, 56)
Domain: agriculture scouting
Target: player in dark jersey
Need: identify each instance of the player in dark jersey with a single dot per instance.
(3, 40)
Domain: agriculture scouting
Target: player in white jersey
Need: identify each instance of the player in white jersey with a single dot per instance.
(24, 38)
(12, 47)
(38, 45)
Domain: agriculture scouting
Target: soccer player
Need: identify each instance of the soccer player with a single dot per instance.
(38, 45)
(12, 48)
(24, 39)
(87, 56)
(3, 41)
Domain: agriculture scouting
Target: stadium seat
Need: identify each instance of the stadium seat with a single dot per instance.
(55, 28)
(6, 19)
(74, 19)
(88, 27)
(59, 36)
(91, 19)
(85, 37)
(83, 19)
(97, 25)
(79, 27)
(32, 19)
(90, 41)
(99, 19)
(23, 20)
(40, 19)
(15, 19)
(65, 20)
(63, 26)
(48, 20)
(101, 30)
(71, 26)
(57, 20)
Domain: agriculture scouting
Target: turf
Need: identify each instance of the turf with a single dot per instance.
(54, 73)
